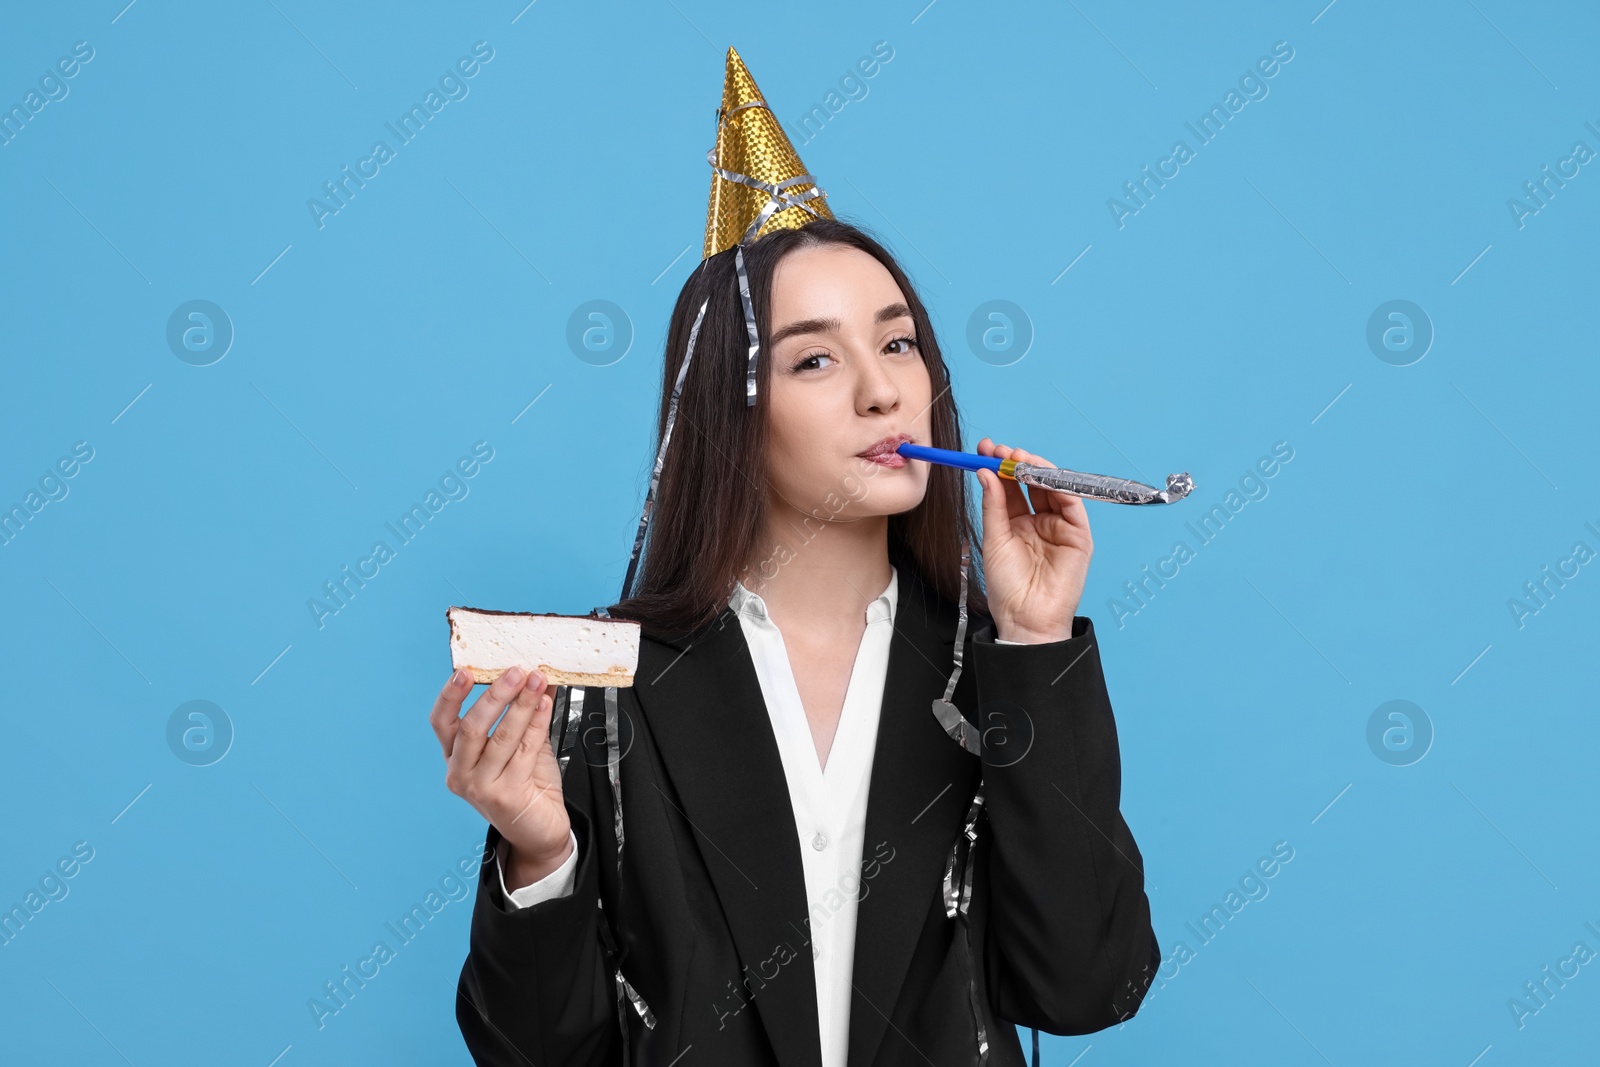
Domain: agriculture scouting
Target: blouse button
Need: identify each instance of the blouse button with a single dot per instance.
(816, 951)
(819, 842)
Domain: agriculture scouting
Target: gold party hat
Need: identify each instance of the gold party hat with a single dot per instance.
(758, 183)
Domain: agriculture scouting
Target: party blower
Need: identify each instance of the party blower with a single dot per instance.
(1059, 479)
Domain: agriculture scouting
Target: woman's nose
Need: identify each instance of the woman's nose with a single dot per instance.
(877, 388)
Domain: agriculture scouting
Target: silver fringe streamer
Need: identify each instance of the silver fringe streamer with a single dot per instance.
(614, 767)
(970, 832)
(749, 329)
(958, 868)
(955, 724)
(569, 699)
(661, 452)
(778, 199)
(957, 898)
(951, 898)
(625, 990)
(778, 196)
(614, 773)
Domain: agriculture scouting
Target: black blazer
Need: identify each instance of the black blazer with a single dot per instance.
(709, 914)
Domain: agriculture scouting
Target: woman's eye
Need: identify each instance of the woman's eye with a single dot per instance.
(807, 361)
(907, 345)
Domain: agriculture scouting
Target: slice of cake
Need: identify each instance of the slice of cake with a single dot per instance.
(566, 649)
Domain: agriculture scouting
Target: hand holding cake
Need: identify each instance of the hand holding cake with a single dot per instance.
(511, 777)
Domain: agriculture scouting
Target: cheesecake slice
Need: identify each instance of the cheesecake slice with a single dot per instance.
(566, 649)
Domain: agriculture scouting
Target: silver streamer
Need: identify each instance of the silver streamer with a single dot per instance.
(614, 767)
(971, 834)
(950, 894)
(958, 868)
(955, 724)
(625, 991)
(614, 772)
(625, 988)
(778, 199)
(638, 1002)
(749, 329)
(661, 451)
(569, 700)
(778, 196)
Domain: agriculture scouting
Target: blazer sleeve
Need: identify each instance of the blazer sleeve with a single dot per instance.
(535, 988)
(1070, 948)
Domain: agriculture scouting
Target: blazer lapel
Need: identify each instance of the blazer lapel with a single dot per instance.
(922, 782)
(702, 698)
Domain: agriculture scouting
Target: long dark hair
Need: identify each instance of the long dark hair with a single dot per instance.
(710, 506)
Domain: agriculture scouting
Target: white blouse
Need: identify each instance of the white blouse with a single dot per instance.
(830, 803)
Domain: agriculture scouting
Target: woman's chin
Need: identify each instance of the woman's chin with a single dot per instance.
(861, 494)
(885, 497)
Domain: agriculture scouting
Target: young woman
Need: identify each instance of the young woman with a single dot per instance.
(790, 798)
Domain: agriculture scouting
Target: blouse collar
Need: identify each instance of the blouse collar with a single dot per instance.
(882, 609)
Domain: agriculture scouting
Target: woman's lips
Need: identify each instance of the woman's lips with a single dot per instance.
(885, 451)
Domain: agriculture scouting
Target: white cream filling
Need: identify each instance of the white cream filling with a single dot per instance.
(572, 643)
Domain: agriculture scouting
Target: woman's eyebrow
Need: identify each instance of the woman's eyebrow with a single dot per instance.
(887, 313)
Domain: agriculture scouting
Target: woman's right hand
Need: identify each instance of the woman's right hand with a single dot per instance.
(511, 777)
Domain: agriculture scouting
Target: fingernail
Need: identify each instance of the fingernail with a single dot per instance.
(457, 678)
(514, 676)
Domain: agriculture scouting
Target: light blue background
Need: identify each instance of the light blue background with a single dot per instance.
(1228, 314)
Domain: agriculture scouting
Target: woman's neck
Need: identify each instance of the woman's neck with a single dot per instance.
(819, 575)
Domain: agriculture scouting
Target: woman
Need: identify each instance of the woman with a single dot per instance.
(787, 572)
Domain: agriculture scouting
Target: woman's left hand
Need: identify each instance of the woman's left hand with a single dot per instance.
(1035, 559)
